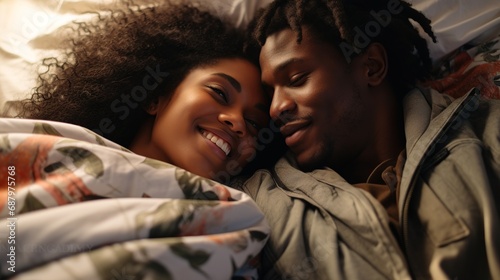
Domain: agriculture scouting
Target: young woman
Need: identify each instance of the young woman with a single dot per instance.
(170, 82)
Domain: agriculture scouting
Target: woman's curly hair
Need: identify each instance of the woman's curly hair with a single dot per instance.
(120, 62)
(340, 22)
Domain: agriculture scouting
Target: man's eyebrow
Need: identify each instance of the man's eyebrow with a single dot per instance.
(283, 65)
(231, 80)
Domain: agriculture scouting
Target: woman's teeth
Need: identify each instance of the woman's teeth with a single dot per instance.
(223, 145)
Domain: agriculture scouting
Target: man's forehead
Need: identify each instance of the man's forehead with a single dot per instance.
(281, 49)
(282, 46)
(280, 41)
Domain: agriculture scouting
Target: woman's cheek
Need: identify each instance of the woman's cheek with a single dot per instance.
(247, 150)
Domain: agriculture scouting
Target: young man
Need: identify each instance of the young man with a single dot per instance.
(383, 179)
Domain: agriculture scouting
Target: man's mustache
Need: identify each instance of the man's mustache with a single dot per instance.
(287, 117)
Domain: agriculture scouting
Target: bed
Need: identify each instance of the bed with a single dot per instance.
(188, 227)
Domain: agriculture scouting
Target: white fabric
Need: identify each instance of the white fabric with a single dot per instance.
(27, 34)
(456, 22)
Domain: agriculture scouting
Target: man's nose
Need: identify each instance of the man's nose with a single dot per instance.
(281, 105)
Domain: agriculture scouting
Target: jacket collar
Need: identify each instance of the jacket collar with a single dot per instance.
(429, 117)
(304, 180)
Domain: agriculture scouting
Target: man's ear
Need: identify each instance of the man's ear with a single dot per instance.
(376, 64)
(152, 107)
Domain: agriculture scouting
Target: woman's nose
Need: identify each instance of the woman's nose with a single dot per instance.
(234, 121)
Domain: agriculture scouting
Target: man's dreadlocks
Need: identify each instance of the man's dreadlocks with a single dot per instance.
(337, 22)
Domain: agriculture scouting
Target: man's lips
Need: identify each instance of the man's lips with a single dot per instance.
(292, 127)
(291, 131)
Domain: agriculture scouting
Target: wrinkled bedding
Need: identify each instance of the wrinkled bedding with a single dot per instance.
(470, 66)
(77, 206)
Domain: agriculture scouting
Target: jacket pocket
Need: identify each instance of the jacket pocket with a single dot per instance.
(437, 221)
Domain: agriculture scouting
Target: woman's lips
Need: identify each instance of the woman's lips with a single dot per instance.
(218, 141)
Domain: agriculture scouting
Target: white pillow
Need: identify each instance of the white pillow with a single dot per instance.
(456, 22)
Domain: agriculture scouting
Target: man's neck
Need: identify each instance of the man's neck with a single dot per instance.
(388, 140)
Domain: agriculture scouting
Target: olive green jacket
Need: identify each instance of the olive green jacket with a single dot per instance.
(449, 201)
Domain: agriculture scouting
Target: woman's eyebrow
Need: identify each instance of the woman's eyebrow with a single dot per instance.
(231, 80)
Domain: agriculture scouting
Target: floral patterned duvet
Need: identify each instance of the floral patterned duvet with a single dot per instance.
(76, 206)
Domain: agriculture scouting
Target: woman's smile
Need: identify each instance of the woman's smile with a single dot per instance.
(218, 141)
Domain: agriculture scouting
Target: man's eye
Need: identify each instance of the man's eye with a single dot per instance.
(254, 124)
(219, 92)
(298, 80)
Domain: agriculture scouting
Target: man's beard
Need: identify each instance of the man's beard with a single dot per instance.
(322, 156)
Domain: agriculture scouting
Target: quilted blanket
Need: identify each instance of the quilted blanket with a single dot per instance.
(74, 205)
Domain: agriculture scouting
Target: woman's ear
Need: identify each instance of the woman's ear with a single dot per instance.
(376, 64)
(152, 107)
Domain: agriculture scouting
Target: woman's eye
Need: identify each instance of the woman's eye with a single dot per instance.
(298, 79)
(219, 92)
